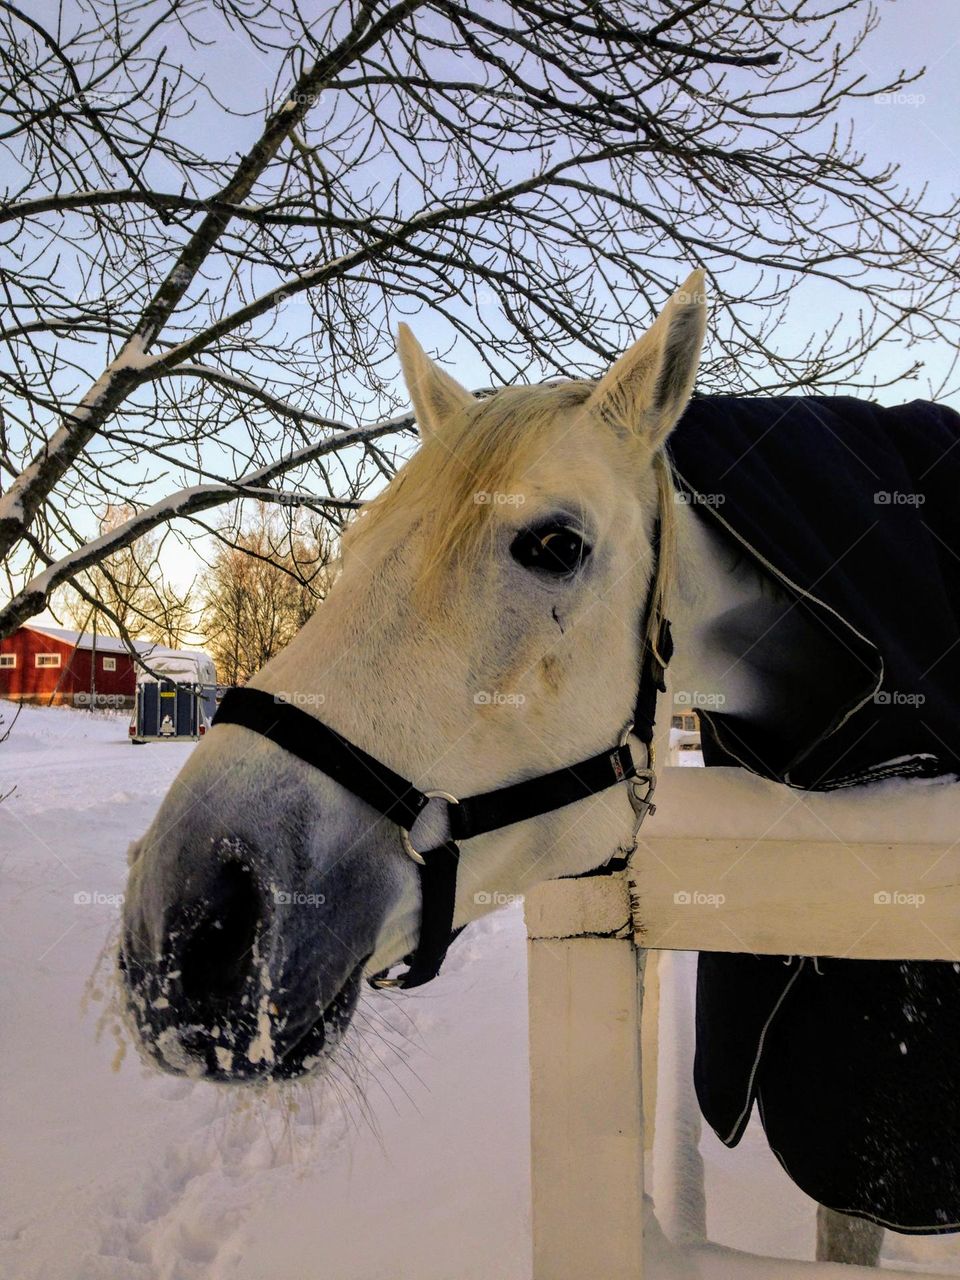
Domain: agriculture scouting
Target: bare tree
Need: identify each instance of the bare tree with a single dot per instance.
(203, 270)
(266, 579)
(130, 587)
(174, 615)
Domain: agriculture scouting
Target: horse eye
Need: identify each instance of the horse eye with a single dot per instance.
(552, 548)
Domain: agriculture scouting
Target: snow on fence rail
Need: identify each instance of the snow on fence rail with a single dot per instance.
(731, 863)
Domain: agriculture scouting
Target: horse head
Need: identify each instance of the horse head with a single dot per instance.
(484, 627)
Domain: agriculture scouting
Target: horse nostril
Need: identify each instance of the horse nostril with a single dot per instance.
(217, 958)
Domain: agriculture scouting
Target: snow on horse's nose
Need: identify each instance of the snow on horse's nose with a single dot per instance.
(240, 959)
(200, 994)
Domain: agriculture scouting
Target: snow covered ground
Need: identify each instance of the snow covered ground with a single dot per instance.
(409, 1163)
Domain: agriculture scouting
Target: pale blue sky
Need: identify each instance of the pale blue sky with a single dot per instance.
(921, 134)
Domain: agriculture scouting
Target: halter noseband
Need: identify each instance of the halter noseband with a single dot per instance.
(401, 802)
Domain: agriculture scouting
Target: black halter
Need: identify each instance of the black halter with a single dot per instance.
(400, 801)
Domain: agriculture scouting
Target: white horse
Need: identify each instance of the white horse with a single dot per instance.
(484, 628)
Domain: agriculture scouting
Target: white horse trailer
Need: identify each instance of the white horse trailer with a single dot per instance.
(175, 699)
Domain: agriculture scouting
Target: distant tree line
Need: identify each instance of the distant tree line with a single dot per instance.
(127, 592)
(269, 570)
(267, 577)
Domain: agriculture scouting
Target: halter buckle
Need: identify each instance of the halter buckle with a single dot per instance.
(408, 843)
(642, 786)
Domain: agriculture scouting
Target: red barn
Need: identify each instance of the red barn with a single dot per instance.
(52, 665)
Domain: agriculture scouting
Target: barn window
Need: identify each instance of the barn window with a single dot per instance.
(8, 659)
(109, 664)
(48, 660)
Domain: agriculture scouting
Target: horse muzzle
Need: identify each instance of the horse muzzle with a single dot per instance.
(232, 985)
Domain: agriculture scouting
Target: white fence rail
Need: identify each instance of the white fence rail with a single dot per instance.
(728, 863)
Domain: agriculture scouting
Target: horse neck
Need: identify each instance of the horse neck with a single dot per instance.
(718, 601)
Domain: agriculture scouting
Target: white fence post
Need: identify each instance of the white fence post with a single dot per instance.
(585, 1081)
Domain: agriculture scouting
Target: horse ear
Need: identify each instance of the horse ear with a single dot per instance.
(647, 389)
(433, 393)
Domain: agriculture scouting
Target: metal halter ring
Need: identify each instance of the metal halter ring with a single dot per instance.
(648, 747)
(405, 834)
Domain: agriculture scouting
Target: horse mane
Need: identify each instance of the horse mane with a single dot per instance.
(483, 449)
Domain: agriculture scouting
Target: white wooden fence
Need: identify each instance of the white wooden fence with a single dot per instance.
(728, 863)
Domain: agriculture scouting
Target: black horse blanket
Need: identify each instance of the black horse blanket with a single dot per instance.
(855, 510)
